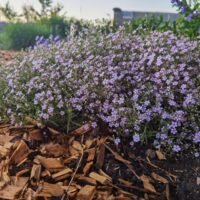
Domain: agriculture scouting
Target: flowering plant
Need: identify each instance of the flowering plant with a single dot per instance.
(3, 87)
(141, 87)
(190, 9)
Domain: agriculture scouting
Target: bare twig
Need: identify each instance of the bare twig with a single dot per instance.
(75, 172)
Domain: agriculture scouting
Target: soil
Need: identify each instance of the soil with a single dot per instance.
(6, 56)
(188, 173)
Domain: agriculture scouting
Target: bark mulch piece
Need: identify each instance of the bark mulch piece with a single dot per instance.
(6, 56)
(38, 162)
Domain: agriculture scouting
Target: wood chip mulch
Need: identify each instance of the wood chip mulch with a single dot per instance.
(38, 162)
(7, 56)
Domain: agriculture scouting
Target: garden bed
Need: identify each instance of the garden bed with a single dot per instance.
(38, 162)
(140, 97)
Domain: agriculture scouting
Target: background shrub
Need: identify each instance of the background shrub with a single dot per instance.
(22, 35)
(180, 26)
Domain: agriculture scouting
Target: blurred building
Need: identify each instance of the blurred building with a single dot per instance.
(121, 16)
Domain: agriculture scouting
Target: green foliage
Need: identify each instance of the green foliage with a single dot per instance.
(183, 27)
(4, 41)
(22, 35)
(44, 22)
(151, 23)
(3, 87)
(105, 26)
(57, 24)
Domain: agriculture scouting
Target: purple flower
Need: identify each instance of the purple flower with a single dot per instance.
(173, 1)
(183, 9)
(35, 102)
(94, 124)
(197, 137)
(163, 136)
(136, 138)
(62, 113)
(165, 115)
(159, 61)
(172, 103)
(196, 154)
(176, 148)
(45, 116)
(60, 104)
(117, 141)
(57, 38)
(189, 17)
(189, 100)
(50, 110)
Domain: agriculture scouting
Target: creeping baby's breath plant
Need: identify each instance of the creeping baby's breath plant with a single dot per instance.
(144, 87)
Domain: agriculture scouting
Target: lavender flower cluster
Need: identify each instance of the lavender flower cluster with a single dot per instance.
(185, 9)
(139, 86)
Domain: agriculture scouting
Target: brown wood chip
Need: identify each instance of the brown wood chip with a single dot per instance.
(147, 185)
(10, 192)
(55, 150)
(49, 190)
(51, 163)
(5, 138)
(87, 180)
(82, 130)
(87, 167)
(159, 178)
(35, 134)
(160, 155)
(89, 143)
(76, 145)
(100, 156)
(86, 193)
(62, 173)
(36, 172)
(99, 178)
(3, 151)
(20, 153)
(91, 154)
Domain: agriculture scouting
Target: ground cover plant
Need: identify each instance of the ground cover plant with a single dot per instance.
(3, 86)
(144, 88)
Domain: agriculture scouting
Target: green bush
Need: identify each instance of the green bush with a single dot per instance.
(58, 25)
(21, 35)
(4, 40)
(180, 26)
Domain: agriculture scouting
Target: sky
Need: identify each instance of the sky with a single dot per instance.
(93, 9)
